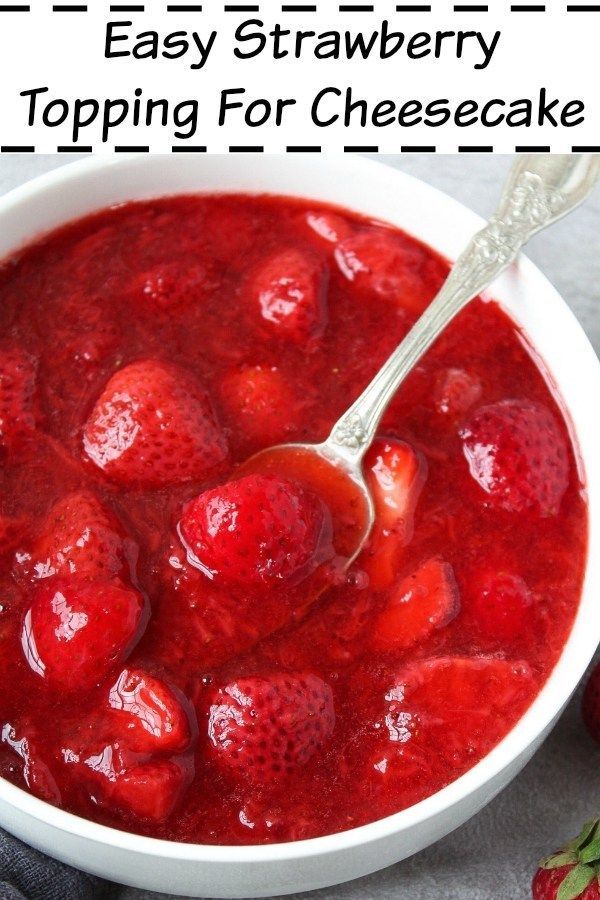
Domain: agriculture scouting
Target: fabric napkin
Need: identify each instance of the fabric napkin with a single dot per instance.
(26, 874)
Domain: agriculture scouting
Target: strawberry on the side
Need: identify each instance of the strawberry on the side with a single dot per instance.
(572, 873)
(153, 426)
(263, 728)
(518, 456)
(423, 601)
(395, 474)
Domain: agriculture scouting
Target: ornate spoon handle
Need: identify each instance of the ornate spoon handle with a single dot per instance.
(539, 190)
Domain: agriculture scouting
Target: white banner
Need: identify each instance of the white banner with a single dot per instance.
(279, 77)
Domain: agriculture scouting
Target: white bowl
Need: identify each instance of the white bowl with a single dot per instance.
(376, 190)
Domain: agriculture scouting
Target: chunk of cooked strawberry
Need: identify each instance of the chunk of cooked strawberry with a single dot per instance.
(470, 701)
(263, 728)
(329, 226)
(499, 603)
(79, 537)
(26, 742)
(455, 392)
(289, 290)
(518, 456)
(395, 474)
(260, 530)
(202, 624)
(259, 402)
(76, 631)
(150, 791)
(170, 287)
(17, 397)
(423, 601)
(152, 426)
(380, 265)
(150, 715)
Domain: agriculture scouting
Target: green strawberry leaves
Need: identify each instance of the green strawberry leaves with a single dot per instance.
(576, 882)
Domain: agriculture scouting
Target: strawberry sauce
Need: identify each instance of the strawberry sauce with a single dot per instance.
(163, 669)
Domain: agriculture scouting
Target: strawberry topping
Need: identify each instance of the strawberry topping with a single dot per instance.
(518, 456)
(257, 401)
(500, 603)
(75, 631)
(423, 601)
(153, 425)
(381, 266)
(290, 291)
(79, 537)
(150, 714)
(17, 396)
(264, 728)
(395, 474)
(260, 530)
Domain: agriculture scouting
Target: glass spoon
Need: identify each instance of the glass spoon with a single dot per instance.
(540, 189)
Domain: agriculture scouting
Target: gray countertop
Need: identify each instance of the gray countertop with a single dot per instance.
(494, 855)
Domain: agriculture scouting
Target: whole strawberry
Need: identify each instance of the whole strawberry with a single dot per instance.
(572, 873)
(590, 705)
(518, 456)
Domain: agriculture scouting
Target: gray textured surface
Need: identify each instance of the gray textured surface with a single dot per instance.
(493, 856)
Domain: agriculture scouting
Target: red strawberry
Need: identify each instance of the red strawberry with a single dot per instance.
(423, 601)
(259, 402)
(259, 530)
(150, 791)
(203, 624)
(518, 456)
(329, 226)
(153, 426)
(380, 264)
(148, 713)
(591, 704)
(290, 291)
(472, 700)
(456, 391)
(170, 287)
(27, 744)
(395, 474)
(80, 538)
(500, 603)
(74, 631)
(264, 728)
(17, 396)
(572, 873)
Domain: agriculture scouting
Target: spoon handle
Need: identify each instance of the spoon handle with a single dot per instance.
(539, 190)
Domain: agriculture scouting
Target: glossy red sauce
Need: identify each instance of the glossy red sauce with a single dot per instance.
(409, 715)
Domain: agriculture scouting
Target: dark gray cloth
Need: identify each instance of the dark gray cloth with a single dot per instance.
(26, 874)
